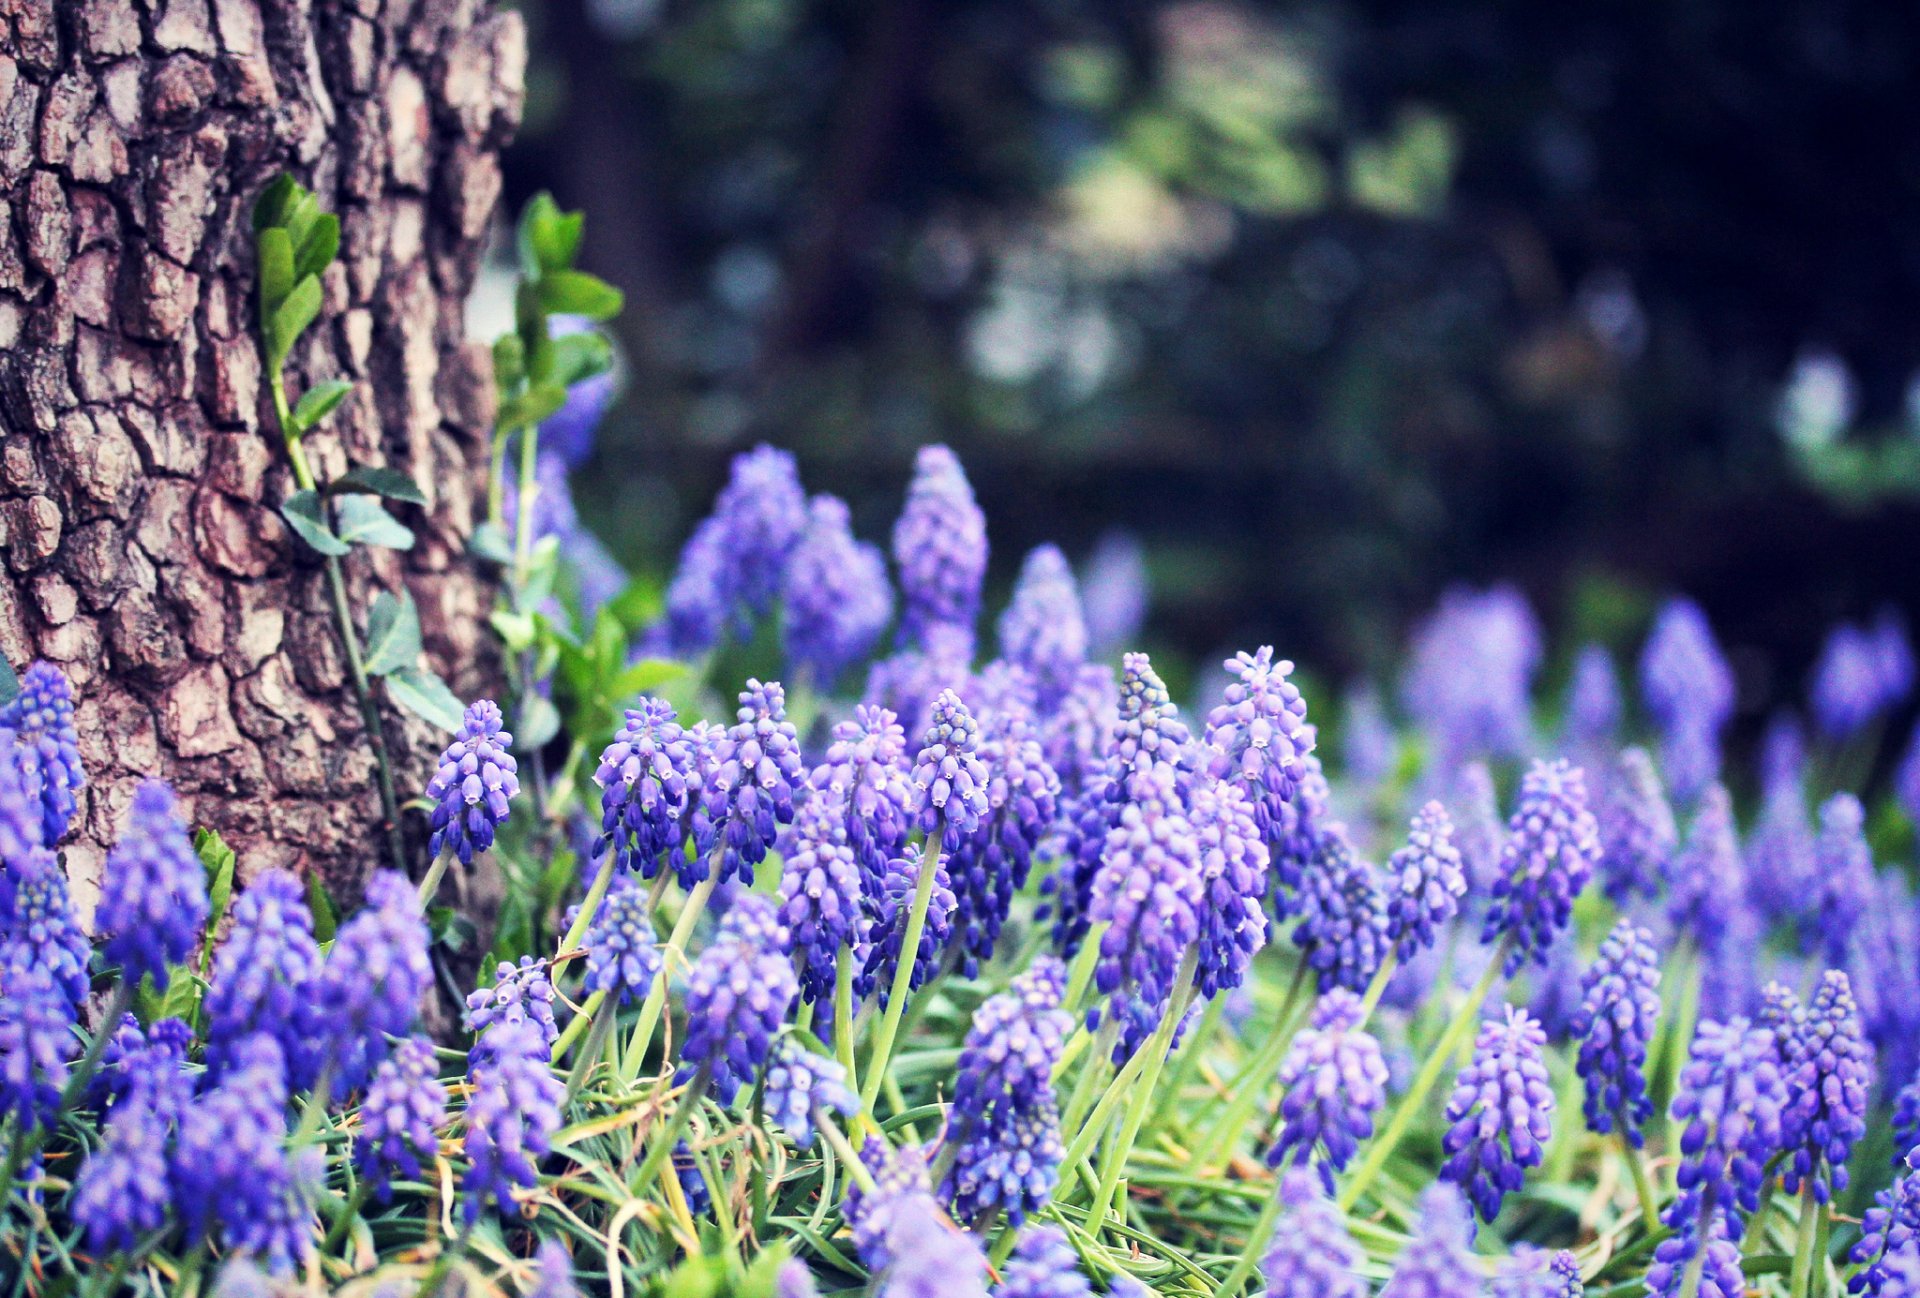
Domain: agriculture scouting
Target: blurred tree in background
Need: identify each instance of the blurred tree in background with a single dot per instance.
(1330, 303)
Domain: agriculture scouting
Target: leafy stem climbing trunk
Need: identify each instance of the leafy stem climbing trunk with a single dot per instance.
(141, 473)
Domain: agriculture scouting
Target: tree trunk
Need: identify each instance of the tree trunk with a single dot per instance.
(140, 470)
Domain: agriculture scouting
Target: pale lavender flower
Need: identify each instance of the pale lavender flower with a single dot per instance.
(940, 545)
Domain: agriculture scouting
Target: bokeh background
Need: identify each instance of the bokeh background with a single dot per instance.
(1329, 305)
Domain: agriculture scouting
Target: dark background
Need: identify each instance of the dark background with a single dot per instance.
(1330, 304)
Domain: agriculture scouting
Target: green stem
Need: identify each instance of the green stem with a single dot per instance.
(665, 1140)
(349, 637)
(1464, 1022)
(1143, 1091)
(430, 882)
(1189, 1058)
(1256, 1244)
(843, 1015)
(844, 1147)
(657, 998)
(1080, 973)
(1378, 987)
(1642, 1186)
(1250, 1082)
(604, 1017)
(1083, 1140)
(1803, 1242)
(1099, 1059)
(882, 1051)
(348, 1211)
(596, 893)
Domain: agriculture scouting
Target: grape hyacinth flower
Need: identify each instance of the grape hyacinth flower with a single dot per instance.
(568, 431)
(553, 1272)
(1148, 892)
(622, 958)
(1147, 757)
(749, 776)
(144, 1066)
(929, 1258)
(1720, 1273)
(121, 1193)
(1500, 1113)
(371, 985)
(949, 779)
(1332, 1082)
(1843, 865)
(1256, 736)
(153, 891)
(1342, 909)
(1705, 881)
(1013, 1172)
(794, 1280)
(1849, 689)
(888, 933)
(762, 511)
(514, 1110)
(1425, 881)
(1779, 853)
(1310, 1254)
(36, 1039)
(644, 777)
(1234, 878)
(521, 993)
(1042, 629)
(1043, 1265)
(940, 546)
(405, 1105)
(1470, 676)
(1552, 845)
(1688, 689)
(1075, 734)
(835, 596)
(41, 933)
(40, 719)
(992, 862)
(866, 780)
(1727, 1105)
(1615, 1029)
(1438, 1262)
(1536, 1273)
(1885, 967)
(899, 1178)
(909, 680)
(1889, 1231)
(738, 994)
(801, 1084)
(473, 785)
(264, 973)
(699, 598)
(1477, 828)
(1638, 836)
(1369, 747)
(1593, 705)
(1828, 1070)
(820, 896)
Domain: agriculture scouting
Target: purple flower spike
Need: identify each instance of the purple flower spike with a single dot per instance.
(36, 1043)
(473, 785)
(1332, 1082)
(1471, 673)
(992, 863)
(738, 994)
(949, 779)
(40, 718)
(623, 957)
(371, 985)
(800, 1085)
(153, 893)
(405, 1106)
(1342, 909)
(121, 1193)
(699, 598)
(761, 510)
(514, 1110)
(1042, 629)
(821, 896)
(1638, 836)
(940, 545)
(835, 595)
(1615, 1028)
(1688, 689)
(1828, 1070)
(1706, 881)
(888, 933)
(749, 775)
(1438, 1262)
(1889, 1232)
(1779, 854)
(1720, 1273)
(1149, 893)
(39, 933)
(265, 970)
(1311, 1255)
(1536, 1273)
(1500, 1114)
(866, 780)
(644, 779)
(521, 993)
(1552, 846)
(1593, 704)
(1234, 878)
(1425, 881)
(1043, 1265)
(1843, 865)
(1257, 736)
(1727, 1106)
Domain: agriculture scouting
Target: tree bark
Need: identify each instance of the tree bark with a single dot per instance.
(140, 469)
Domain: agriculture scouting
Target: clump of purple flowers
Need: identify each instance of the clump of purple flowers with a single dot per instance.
(1148, 891)
(1257, 736)
(750, 773)
(820, 896)
(1688, 689)
(1728, 1106)
(888, 934)
(1828, 1071)
(40, 721)
(512, 1114)
(1425, 881)
(1705, 881)
(801, 1085)
(738, 995)
(371, 985)
(265, 970)
(949, 779)
(404, 1107)
(1637, 831)
(1471, 673)
(1342, 911)
(1501, 1112)
(1234, 879)
(1843, 866)
(865, 780)
(1438, 1262)
(940, 546)
(1551, 848)
(1310, 1255)
(1332, 1082)
(473, 785)
(835, 596)
(1042, 629)
(622, 958)
(1621, 1001)
(153, 892)
(644, 779)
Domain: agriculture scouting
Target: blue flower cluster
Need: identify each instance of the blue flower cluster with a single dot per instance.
(1551, 849)
(1332, 1082)
(1500, 1115)
(1619, 1006)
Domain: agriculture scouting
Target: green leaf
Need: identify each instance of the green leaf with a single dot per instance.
(490, 541)
(698, 1277)
(538, 722)
(425, 695)
(306, 516)
(516, 630)
(531, 407)
(393, 633)
(579, 357)
(182, 997)
(391, 483)
(577, 293)
(319, 401)
(291, 318)
(548, 238)
(760, 1279)
(647, 674)
(218, 860)
(447, 927)
(9, 683)
(513, 929)
(325, 918)
(365, 521)
(536, 339)
(275, 251)
(317, 250)
(270, 209)
(509, 362)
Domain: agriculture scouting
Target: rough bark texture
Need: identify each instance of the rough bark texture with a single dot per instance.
(140, 474)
